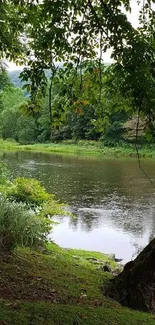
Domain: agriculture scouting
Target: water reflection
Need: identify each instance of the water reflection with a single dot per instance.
(112, 200)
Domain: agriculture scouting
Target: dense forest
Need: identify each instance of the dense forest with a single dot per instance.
(80, 107)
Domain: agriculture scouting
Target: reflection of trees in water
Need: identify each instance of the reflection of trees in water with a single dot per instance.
(74, 222)
(86, 221)
(134, 220)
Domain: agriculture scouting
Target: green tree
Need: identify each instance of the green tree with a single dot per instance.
(14, 123)
(4, 78)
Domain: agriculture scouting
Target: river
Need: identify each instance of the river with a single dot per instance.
(112, 199)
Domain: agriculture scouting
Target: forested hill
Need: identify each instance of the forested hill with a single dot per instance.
(14, 76)
(15, 79)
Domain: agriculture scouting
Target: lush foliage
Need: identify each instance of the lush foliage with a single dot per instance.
(71, 95)
(31, 192)
(25, 212)
(41, 34)
(27, 190)
(20, 226)
(80, 103)
(14, 123)
(81, 109)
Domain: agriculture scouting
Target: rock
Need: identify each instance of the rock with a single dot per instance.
(118, 260)
(83, 296)
(105, 268)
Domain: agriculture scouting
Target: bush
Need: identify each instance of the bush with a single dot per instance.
(25, 213)
(28, 190)
(20, 226)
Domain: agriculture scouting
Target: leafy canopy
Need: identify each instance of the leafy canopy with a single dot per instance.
(41, 33)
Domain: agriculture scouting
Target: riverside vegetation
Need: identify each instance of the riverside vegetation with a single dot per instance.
(80, 99)
(41, 283)
(76, 124)
(83, 147)
(75, 118)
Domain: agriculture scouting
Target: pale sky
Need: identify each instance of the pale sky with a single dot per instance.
(133, 18)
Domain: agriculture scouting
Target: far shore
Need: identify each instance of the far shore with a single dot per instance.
(81, 147)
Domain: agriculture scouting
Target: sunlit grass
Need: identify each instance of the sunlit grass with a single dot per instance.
(84, 148)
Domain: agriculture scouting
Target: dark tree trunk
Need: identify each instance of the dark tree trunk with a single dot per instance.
(135, 286)
(50, 101)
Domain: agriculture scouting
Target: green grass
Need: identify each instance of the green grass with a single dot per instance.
(60, 287)
(86, 148)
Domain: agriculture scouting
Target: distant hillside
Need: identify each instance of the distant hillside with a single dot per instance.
(14, 76)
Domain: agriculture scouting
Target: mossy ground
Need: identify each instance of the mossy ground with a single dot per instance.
(87, 148)
(60, 287)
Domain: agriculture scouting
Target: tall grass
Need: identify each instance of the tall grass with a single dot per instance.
(20, 226)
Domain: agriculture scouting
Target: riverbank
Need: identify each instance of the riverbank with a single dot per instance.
(92, 148)
(59, 286)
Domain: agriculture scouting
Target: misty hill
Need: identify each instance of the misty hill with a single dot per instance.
(14, 75)
(15, 79)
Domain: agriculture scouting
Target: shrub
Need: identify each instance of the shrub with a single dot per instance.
(28, 190)
(53, 207)
(20, 226)
(25, 212)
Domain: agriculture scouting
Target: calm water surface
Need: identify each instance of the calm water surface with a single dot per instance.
(112, 199)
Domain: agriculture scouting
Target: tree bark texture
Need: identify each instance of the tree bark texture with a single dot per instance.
(135, 285)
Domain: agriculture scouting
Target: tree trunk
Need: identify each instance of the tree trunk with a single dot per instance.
(50, 100)
(135, 286)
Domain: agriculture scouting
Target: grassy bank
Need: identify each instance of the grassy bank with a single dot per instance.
(81, 147)
(60, 287)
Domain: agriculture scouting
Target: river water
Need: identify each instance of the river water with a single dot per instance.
(112, 199)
